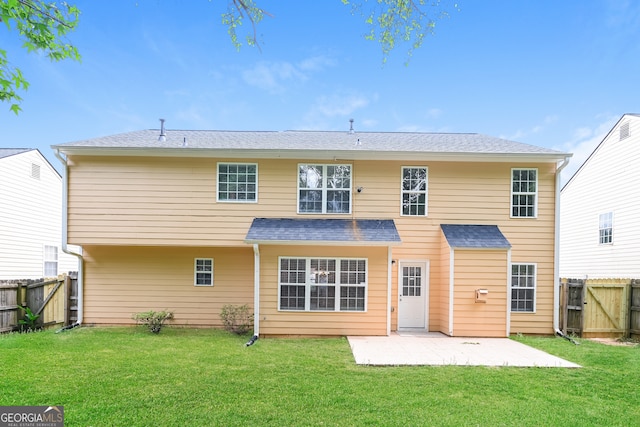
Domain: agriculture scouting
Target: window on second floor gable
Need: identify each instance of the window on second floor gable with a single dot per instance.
(324, 189)
(605, 228)
(237, 182)
(524, 193)
(414, 191)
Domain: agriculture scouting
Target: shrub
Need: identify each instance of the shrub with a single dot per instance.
(237, 318)
(154, 320)
(29, 323)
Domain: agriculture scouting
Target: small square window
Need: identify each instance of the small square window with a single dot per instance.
(203, 275)
(237, 182)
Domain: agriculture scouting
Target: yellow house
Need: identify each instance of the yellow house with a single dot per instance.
(321, 233)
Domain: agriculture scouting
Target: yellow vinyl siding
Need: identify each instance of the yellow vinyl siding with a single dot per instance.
(371, 322)
(480, 269)
(120, 281)
(171, 202)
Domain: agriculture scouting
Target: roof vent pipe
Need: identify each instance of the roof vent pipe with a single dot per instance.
(163, 136)
(351, 126)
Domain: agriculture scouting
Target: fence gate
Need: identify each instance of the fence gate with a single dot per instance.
(574, 300)
(634, 309)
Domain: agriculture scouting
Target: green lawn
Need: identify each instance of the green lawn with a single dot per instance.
(189, 377)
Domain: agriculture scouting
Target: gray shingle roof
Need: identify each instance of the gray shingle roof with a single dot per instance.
(474, 236)
(340, 231)
(6, 152)
(329, 141)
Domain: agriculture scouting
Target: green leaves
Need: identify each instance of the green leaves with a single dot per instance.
(43, 28)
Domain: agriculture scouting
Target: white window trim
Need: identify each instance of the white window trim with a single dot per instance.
(324, 188)
(218, 199)
(195, 272)
(600, 228)
(535, 287)
(308, 284)
(426, 191)
(45, 260)
(536, 194)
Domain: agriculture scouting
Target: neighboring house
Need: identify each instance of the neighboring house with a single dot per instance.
(30, 217)
(322, 233)
(600, 215)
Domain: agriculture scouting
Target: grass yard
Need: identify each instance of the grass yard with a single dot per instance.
(188, 377)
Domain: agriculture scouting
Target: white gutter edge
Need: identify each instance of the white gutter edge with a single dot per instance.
(256, 290)
(556, 250)
(65, 249)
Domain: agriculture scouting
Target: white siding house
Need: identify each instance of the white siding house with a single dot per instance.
(30, 217)
(600, 209)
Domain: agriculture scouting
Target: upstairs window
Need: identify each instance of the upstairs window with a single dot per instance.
(237, 182)
(524, 193)
(50, 258)
(414, 191)
(605, 228)
(324, 189)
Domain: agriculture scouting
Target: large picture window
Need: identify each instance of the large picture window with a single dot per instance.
(237, 182)
(414, 191)
(524, 193)
(324, 188)
(323, 284)
(523, 287)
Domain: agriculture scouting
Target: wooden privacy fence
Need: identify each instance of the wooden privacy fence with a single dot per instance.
(56, 301)
(600, 307)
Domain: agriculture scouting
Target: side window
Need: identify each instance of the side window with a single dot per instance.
(237, 182)
(414, 191)
(524, 193)
(203, 274)
(605, 228)
(50, 261)
(324, 188)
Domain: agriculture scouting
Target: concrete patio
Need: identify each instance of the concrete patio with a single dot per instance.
(433, 348)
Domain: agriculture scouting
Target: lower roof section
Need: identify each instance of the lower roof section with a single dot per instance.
(474, 236)
(365, 232)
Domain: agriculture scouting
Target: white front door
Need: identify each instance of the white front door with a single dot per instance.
(413, 291)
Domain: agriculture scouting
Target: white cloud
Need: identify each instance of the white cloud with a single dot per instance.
(534, 129)
(275, 76)
(583, 142)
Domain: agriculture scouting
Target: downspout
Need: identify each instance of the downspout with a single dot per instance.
(389, 271)
(65, 249)
(256, 295)
(556, 250)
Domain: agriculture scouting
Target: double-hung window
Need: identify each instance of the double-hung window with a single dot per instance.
(605, 228)
(324, 188)
(523, 287)
(524, 193)
(50, 259)
(322, 284)
(203, 274)
(237, 182)
(414, 191)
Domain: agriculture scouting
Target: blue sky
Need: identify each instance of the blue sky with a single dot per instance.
(557, 74)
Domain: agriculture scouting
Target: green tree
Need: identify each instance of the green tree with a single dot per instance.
(42, 27)
(390, 22)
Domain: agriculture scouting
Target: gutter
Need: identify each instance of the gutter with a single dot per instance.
(65, 249)
(556, 250)
(256, 295)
